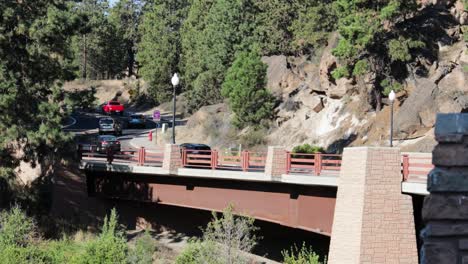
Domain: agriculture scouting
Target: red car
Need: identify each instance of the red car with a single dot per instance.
(113, 107)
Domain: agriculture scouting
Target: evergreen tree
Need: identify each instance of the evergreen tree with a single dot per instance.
(371, 40)
(125, 15)
(100, 49)
(33, 59)
(160, 46)
(244, 86)
(217, 37)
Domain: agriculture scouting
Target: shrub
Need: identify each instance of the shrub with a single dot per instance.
(305, 255)
(110, 247)
(255, 137)
(307, 149)
(389, 85)
(144, 249)
(16, 228)
(225, 240)
(340, 72)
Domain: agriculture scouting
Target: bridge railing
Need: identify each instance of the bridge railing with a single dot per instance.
(315, 164)
(212, 159)
(141, 156)
(416, 166)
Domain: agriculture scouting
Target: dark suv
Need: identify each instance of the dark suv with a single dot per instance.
(109, 125)
(196, 148)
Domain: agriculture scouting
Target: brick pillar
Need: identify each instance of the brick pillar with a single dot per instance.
(445, 210)
(373, 221)
(275, 164)
(172, 158)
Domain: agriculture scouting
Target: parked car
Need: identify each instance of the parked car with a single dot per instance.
(197, 148)
(109, 125)
(104, 142)
(113, 107)
(137, 120)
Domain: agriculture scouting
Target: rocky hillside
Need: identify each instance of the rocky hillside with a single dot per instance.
(314, 108)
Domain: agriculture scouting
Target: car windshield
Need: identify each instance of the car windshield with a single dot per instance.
(107, 138)
(106, 121)
(114, 103)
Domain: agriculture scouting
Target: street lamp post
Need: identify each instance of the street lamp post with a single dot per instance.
(391, 97)
(175, 82)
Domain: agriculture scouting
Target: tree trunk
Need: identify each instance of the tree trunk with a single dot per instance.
(85, 59)
(130, 58)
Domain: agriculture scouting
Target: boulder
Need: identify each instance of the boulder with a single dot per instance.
(341, 88)
(313, 102)
(455, 81)
(416, 107)
(277, 72)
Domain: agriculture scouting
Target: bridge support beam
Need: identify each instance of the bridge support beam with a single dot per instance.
(172, 160)
(373, 221)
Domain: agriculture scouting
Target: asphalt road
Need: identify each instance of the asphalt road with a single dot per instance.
(86, 128)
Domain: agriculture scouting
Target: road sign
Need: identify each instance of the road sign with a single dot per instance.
(156, 115)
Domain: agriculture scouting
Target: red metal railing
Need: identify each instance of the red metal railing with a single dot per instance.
(298, 163)
(141, 156)
(212, 159)
(416, 167)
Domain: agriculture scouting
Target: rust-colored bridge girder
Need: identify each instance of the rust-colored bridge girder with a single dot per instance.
(309, 208)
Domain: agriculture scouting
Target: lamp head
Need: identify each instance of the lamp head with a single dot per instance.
(391, 96)
(175, 79)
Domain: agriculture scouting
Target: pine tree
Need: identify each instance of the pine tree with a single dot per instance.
(160, 45)
(216, 38)
(34, 38)
(125, 15)
(371, 40)
(100, 48)
(244, 86)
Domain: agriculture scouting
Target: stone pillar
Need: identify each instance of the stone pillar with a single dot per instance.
(275, 164)
(373, 221)
(445, 210)
(172, 158)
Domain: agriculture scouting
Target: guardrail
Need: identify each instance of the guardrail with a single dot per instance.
(298, 163)
(141, 156)
(416, 167)
(212, 159)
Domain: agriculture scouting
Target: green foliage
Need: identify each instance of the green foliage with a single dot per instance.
(465, 68)
(340, 72)
(244, 86)
(16, 228)
(371, 39)
(210, 38)
(307, 149)
(199, 252)
(100, 48)
(35, 58)
(388, 85)
(360, 68)
(313, 25)
(83, 99)
(304, 255)
(110, 247)
(254, 137)
(125, 15)
(399, 49)
(145, 247)
(224, 240)
(160, 45)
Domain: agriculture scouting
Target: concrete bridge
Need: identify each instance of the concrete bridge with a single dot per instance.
(315, 192)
